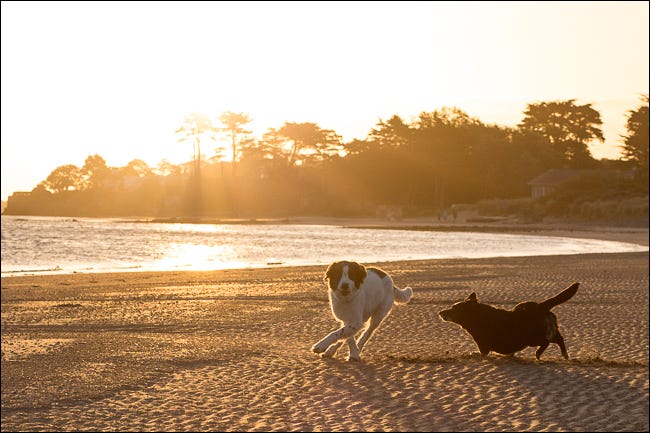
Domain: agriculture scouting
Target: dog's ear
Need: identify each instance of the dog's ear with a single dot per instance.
(331, 269)
(357, 272)
(471, 297)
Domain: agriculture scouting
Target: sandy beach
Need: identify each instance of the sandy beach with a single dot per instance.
(229, 350)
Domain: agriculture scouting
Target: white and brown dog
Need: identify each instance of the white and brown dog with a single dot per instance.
(358, 296)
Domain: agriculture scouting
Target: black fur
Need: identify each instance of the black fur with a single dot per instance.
(507, 332)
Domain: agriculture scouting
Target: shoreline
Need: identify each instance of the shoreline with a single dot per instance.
(631, 235)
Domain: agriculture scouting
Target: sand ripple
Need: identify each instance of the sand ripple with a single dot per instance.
(262, 394)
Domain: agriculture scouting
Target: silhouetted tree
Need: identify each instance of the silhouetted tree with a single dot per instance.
(95, 172)
(452, 117)
(233, 125)
(219, 155)
(63, 178)
(567, 127)
(301, 142)
(166, 168)
(391, 133)
(357, 147)
(635, 146)
(274, 145)
(137, 168)
(195, 126)
(441, 153)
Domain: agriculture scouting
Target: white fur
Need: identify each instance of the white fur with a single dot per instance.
(364, 306)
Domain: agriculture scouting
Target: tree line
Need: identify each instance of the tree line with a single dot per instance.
(419, 166)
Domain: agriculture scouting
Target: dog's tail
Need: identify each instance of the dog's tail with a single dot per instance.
(402, 296)
(563, 296)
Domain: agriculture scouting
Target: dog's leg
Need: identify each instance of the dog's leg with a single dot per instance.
(559, 340)
(342, 333)
(354, 350)
(331, 351)
(375, 321)
(540, 350)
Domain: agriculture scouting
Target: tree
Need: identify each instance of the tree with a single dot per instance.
(233, 123)
(273, 145)
(357, 147)
(166, 168)
(452, 117)
(195, 126)
(635, 146)
(95, 172)
(137, 168)
(440, 152)
(392, 133)
(63, 178)
(568, 128)
(307, 141)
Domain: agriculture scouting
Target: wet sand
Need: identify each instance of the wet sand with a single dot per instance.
(229, 350)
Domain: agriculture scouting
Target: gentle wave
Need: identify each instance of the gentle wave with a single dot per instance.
(49, 245)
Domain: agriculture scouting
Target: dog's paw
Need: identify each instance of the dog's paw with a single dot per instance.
(330, 351)
(319, 347)
(353, 358)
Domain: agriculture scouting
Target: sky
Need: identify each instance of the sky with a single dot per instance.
(118, 78)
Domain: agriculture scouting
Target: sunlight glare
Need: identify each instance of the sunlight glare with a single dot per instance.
(198, 258)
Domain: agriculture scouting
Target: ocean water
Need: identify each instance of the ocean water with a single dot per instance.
(57, 245)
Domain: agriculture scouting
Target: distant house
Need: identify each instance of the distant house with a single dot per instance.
(550, 180)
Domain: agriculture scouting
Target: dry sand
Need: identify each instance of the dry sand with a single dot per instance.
(229, 350)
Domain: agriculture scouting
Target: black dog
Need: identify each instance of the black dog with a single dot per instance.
(507, 332)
